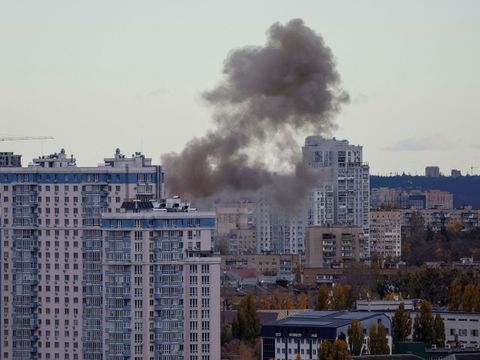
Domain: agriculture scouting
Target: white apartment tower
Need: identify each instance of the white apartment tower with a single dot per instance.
(72, 256)
(341, 193)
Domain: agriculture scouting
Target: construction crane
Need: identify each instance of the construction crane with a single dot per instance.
(15, 138)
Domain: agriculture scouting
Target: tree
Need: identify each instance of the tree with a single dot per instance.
(298, 274)
(439, 330)
(455, 296)
(470, 297)
(277, 300)
(325, 352)
(342, 296)
(423, 329)
(336, 351)
(298, 357)
(288, 301)
(226, 333)
(265, 302)
(302, 301)
(322, 300)
(378, 342)
(355, 336)
(246, 325)
(401, 324)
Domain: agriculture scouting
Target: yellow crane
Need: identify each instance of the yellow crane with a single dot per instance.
(15, 138)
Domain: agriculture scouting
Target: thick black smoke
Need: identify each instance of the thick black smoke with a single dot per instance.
(270, 95)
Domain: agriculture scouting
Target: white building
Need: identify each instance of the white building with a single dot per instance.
(341, 193)
(162, 283)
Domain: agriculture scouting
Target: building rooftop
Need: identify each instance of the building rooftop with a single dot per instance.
(324, 318)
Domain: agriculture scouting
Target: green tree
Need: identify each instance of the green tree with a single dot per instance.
(401, 324)
(226, 333)
(246, 325)
(355, 336)
(423, 325)
(378, 342)
(322, 300)
(439, 330)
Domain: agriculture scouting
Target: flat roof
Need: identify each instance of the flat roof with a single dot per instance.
(332, 319)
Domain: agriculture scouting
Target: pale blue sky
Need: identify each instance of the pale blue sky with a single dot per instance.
(98, 75)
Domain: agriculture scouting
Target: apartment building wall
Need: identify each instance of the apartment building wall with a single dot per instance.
(236, 227)
(341, 195)
(272, 264)
(330, 245)
(386, 233)
(161, 277)
(52, 250)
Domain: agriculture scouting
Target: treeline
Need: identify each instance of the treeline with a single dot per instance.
(421, 244)
(457, 289)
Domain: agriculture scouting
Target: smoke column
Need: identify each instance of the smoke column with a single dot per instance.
(270, 96)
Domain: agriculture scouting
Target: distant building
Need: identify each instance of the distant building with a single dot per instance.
(437, 218)
(437, 199)
(280, 230)
(275, 265)
(9, 159)
(304, 332)
(389, 197)
(384, 305)
(341, 195)
(460, 327)
(432, 171)
(236, 227)
(456, 173)
(411, 198)
(386, 233)
(330, 245)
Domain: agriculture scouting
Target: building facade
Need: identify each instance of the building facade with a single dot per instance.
(236, 227)
(52, 250)
(330, 246)
(386, 233)
(162, 284)
(341, 195)
(302, 334)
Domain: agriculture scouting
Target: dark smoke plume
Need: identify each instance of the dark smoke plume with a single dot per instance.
(270, 95)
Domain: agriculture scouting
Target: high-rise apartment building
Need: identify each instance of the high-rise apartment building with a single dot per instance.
(339, 196)
(52, 250)
(161, 283)
(280, 229)
(341, 193)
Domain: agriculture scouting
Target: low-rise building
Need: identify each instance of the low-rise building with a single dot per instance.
(302, 334)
